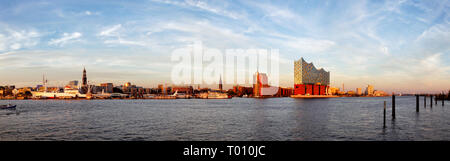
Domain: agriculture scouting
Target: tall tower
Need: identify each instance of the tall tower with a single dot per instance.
(84, 80)
(84, 85)
(220, 83)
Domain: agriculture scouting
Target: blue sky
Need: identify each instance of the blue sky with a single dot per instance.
(397, 46)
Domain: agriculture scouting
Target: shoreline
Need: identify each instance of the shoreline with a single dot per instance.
(293, 96)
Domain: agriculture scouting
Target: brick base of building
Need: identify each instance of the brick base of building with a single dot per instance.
(311, 89)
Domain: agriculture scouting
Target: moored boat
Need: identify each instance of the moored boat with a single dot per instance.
(8, 106)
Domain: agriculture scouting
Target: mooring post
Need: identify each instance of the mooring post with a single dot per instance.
(425, 101)
(393, 106)
(442, 101)
(435, 99)
(417, 103)
(431, 101)
(384, 115)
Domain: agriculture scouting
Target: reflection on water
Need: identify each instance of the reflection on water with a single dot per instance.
(230, 119)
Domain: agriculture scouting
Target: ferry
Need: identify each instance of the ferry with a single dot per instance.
(214, 95)
(181, 95)
(68, 93)
(8, 106)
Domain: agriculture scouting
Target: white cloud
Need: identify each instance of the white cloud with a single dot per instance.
(111, 31)
(113, 35)
(66, 38)
(304, 44)
(203, 6)
(15, 46)
(276, 12)
(90, 13)
(436, 31)
(384, 50)
(206, 29)
(124, 42)
(432, 64)
(11, 40)
(310, 45)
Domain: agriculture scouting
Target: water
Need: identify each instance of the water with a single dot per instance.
(230, 119)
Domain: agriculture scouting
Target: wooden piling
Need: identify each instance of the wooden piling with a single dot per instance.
(393, 106)
(417, 103)
(436, 100)
(425, 101)
(431, 101)
(384, 115)
(442, 101)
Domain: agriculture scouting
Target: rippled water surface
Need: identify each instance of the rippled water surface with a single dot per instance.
(230, 119)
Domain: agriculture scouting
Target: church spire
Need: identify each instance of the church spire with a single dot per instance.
(220, 83)
(84, 79)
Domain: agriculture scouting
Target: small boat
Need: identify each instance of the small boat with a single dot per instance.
(9, 106)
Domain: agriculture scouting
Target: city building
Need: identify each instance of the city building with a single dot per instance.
(351, 93)
(308, 80)
(333, 90)
(261, 87)
(241, 90)
(379, 93)
(106, 87)
(183, 89)
(284, 92)
(358, 91)
(73, 84)
(369, 90)
(260, 81)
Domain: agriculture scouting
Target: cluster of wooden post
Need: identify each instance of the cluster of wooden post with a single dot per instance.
(425, 101)
(417, 106)
(431, 101)
(393, 111)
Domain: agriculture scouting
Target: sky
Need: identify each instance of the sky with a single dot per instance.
(396, 46)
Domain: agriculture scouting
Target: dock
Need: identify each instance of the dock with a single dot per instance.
(313, 96)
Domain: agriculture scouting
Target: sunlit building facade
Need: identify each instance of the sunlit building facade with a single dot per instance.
(369, 90)
(308, 80)
(358, 91)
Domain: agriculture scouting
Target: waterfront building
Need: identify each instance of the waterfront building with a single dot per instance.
(241, 90)
(73, 84)
(128, 84)
(260, 81)
(333, 90)
(351, 93)
(379, 93)
(183, 89)
(106, 87)
(308, 80)
(161, 88)
(284, 92)
(358, 91)
(369, 90)
(126, 88)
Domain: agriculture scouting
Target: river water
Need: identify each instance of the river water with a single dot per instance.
(241, 119)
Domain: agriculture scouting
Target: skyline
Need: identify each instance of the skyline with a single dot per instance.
(397, 46)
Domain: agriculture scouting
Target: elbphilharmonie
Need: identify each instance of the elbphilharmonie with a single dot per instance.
(308, 80)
